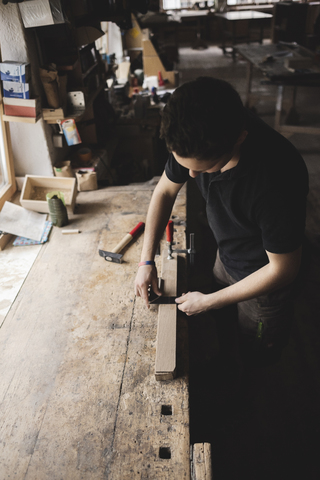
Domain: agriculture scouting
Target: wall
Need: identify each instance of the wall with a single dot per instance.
(115, 40)
(33, 151)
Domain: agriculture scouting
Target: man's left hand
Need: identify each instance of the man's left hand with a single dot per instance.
(192, 303)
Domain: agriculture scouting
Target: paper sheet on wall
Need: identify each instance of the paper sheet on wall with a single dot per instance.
(22, 222)
(35, 13)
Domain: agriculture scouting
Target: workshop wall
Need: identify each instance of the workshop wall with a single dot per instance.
(33, 152)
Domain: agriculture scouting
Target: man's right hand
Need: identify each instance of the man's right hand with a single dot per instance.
(146, 276)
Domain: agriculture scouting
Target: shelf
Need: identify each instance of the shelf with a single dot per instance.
(51, 116)
(8, 118)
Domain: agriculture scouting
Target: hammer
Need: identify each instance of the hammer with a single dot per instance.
(116, 257)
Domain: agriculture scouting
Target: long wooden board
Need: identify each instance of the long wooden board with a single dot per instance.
(165, 368)
(78, 395)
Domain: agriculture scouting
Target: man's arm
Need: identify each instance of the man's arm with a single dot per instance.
(281, 270)
(158, 215)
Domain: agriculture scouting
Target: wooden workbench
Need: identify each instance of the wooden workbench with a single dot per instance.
(78, 395)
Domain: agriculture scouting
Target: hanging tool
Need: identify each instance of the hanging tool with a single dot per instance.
(116, 257)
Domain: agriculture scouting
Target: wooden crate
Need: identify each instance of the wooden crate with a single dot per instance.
(35, 188)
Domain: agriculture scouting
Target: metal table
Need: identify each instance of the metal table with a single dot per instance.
(276, 62)
(234, 17)
(200, 16)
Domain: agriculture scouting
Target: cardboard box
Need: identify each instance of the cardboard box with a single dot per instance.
(86, 180)
(35, 189)
(99, 164)
(19, 107)
(64, 169)
(16, 90)
(152, 65)
(11, 71)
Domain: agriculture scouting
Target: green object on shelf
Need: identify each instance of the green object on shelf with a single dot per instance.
(57, 209)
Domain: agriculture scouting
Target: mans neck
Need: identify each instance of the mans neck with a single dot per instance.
(233, 162)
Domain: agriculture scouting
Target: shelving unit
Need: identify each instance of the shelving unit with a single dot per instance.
(81, 64)
(51, 115)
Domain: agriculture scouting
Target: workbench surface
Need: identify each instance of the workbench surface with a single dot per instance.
(78, 395)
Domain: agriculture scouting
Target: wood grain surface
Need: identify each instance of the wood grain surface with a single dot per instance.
(78, 395)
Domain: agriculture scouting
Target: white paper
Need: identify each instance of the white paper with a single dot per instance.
(36, 13)
(22, 222)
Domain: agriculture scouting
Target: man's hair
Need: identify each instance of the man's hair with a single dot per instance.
(202, 119)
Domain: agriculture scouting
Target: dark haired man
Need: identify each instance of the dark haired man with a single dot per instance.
(255, 185)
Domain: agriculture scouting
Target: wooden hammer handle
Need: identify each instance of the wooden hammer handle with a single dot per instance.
(127, 238)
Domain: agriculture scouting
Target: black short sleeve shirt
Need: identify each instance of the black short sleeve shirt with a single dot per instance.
(257, 206)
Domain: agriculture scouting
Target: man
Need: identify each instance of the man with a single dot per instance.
(255, 185)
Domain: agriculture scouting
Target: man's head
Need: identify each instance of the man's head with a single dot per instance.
(203, 119)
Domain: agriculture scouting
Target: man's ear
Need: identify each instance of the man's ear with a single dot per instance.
(242, 137)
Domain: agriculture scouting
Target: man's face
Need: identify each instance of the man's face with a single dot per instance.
(196, 167)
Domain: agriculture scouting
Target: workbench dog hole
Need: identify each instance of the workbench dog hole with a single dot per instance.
(165, 453)
(166, 409)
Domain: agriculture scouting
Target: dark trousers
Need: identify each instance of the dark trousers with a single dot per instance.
(263, 324)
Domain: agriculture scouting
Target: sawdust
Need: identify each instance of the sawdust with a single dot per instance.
(39, 193)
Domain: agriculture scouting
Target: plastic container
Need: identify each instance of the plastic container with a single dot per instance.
(57, 209)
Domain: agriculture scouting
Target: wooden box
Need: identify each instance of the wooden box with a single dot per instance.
(35, 188)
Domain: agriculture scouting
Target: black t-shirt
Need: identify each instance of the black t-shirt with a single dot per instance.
(258, 205)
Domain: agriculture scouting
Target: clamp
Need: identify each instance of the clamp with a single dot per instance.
(191, 250)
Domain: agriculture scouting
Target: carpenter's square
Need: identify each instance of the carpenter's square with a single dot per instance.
(159, 299)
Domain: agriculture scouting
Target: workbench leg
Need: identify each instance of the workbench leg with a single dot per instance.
(234, 40)
(223, 29)
(261, 34)
(279, 100)
(293, 117)
(200, 44)
(249, 83)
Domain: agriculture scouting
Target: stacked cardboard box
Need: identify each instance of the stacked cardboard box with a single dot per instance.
(15, 77)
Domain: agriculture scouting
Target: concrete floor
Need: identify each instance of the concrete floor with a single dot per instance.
(270, 429)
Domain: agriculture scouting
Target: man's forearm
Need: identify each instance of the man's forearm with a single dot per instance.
(279, 272)
(265, 280)
(259, 283)
(157, 218)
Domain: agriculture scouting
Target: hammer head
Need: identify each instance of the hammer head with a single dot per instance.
(110, 256)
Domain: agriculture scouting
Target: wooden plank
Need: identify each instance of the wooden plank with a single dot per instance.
(78, 397)
(4, 240)
(165, 367)
(202, 469)
(10, 188)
